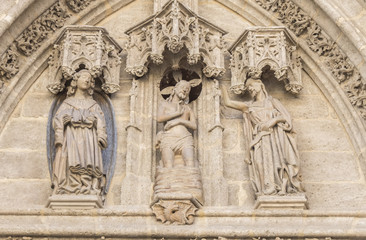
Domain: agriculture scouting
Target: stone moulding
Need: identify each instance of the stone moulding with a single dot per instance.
(259, 47)
(88, 46)
(298, 201)
(320, 43)
(74, 202)
(173, 28)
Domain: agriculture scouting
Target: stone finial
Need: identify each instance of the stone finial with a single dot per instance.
(84, 47)
(259, 47)
(174, 28)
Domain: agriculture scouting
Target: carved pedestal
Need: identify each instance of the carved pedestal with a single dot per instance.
(74, 202)
(177, 193)
(175, 208)
(298, 201)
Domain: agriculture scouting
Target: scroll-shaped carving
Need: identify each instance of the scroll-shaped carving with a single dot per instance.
(264, 46)
(51, 20)
(89, 47)
(270, 148)
(174, 28)
(178, 186)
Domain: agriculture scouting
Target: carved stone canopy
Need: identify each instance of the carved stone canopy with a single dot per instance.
(173, 28)
(86, 47)
(260, 47)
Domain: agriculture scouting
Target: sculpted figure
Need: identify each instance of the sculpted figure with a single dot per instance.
(178, 118)
(80, 135)
(271, 150)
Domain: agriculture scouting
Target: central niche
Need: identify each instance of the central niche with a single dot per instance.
(172, 77)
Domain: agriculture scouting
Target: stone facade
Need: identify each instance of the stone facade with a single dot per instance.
(327, 115)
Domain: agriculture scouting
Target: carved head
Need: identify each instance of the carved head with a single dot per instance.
(182, 90)
(255, 86)
(82, 80)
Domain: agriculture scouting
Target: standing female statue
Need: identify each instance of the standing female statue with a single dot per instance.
(80, 134)
(270, 145)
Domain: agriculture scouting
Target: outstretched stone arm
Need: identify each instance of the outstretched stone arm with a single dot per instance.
(241, 106)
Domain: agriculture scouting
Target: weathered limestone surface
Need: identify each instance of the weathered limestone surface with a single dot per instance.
(332, 165)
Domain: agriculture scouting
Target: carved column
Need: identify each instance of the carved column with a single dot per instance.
(210, 148)
(81, 128)
(261, 47)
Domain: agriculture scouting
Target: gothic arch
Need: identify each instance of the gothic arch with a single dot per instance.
(33, 65)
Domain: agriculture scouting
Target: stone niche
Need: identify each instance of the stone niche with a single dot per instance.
(175, 47)
(81, 132)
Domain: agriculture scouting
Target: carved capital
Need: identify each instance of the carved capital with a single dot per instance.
(138, 71)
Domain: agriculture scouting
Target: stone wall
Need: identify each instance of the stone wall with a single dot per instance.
(331, 163)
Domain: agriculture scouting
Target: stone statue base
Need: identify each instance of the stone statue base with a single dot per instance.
(175, 208)
(179, 180)
(69, 201)
(298, 201)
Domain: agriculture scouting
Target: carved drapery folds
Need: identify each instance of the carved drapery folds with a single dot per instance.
(174, 28)
(81, 142)
(265, 46)
(85, 47)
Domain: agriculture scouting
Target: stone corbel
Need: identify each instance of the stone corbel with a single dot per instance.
(262, 47)
(85, 47)
(172, 29)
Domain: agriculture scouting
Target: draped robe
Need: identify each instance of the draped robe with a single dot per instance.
(78, 164)
(273, 153)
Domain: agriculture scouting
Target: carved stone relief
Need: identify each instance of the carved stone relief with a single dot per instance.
(9, 65)
(176, 39)
(175, 27)
(178, 186)
(83, 134)
(78, 5)
(318, 41)
(271, 150)
(34, 35)
(259, 47)
(90, 47)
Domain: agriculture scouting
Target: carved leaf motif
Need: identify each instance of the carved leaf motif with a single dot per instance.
(78, 5)
(51, 20)
(9, 64)
(299, 22)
